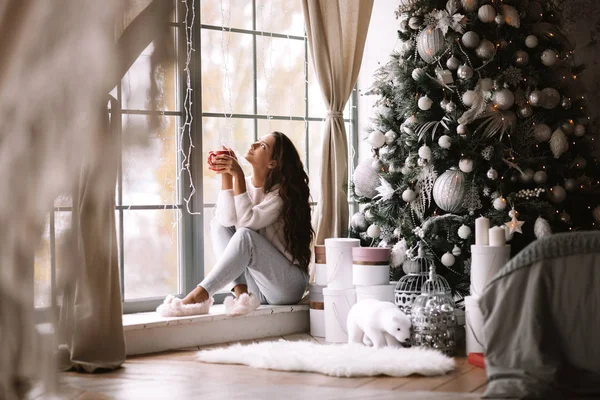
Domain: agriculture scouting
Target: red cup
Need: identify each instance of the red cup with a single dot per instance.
(213, 154)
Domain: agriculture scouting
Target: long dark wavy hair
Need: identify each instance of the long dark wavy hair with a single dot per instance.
(293, 188)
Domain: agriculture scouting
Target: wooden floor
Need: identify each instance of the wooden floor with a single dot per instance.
(175, 375)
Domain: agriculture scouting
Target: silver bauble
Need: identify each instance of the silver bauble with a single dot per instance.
(500, 19)
(466, 165)
(444, 104)
(464, 72)
(521, 58)
(429, 43)
(414, 23)
(486, 13)
(449, 190)
(464, 232)
(580, 162)
(557, 194)
(536, 98)
(451, 107)
(468, 98)
(456, 251)
(448, 259)
(504, 99)
(549, 57)
(551, 98)
(527, 175)
(470, 39)
(570, 185)
(425, 152)
(417, 73)
(485, 50)
(462, 129)
(469, 5)
(566, 102)
(365, 179)
(499, 203)
(359, 222)
(409, 195)
(390, 137)
(453, 63)
(525, 111)
(579, 130)
(542, 132)
(369, 215)
(531, 41)
(421, 162)
(424, 103)
(492, 174)
(540, 177)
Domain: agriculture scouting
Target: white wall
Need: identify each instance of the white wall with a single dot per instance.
(381, 40)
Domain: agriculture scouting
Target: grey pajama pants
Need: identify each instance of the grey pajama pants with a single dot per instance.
(246, 257)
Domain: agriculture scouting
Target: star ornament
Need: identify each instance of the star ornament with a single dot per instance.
(514, 225)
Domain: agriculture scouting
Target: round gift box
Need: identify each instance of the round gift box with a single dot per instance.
(339, 262)
(338, 303)
(377, 292)
(473, 325)
(371, 266)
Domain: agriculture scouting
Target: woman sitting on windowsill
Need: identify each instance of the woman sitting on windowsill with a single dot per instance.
(261, 232)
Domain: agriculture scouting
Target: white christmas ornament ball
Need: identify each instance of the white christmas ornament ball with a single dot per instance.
(445, 141)
(448, 259)
(499, 204)
(369, 215)
(390, 136)
(542, 133)
(462, 129)
(492, 174)
(456, 251)
(468, 98)
(465, 72)
(596, 213)
(557, 194)
(465, 165)
(417, 73)
(487, 84)
(376, 139)
(464, 232)
(425, 152)
(486, 13)
(549, 57)
(453, 63)
(531, 41)
(425, 103)
(579, 130)
(409, 195)
(504, 99)
(374, 231)
(540, 177)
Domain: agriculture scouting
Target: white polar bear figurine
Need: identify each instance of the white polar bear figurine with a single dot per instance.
(379, 323)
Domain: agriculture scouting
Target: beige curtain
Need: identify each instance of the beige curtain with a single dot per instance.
(91, 327)
(337, 31)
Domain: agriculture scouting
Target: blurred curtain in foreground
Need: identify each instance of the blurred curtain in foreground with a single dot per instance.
(58, 62)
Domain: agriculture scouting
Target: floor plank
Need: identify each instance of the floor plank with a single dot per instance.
(176, 374)
(300, 337)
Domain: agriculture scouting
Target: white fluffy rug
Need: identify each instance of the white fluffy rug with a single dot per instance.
(342, 360)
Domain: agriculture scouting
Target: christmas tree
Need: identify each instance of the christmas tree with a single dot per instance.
(479, 114)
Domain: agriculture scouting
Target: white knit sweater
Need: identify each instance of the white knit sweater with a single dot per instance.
(254, 210)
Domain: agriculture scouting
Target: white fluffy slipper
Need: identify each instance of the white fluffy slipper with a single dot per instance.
(173, 307)
(244, 304)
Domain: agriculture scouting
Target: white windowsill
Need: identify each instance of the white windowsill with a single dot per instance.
(149, 332)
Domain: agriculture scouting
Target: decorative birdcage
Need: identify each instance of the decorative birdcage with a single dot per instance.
(409, 286)
(433, 316)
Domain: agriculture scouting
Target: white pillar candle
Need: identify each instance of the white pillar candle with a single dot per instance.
(497, 236)
(482, 227)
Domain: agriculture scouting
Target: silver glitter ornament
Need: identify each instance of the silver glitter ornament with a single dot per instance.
(414, 23)
(444, 104)
(433, 316)
(464, 72)
(359, 222)
(429, 43)
(470, 40)
(550, 98)
(542, 132)
(485, 50)
(492, 174)
(566, 102)
(525, 111)
(451, 107)
(504, 99)
(549, 57)
(487, 153)
(531, 41)
(453, 63)
(535, 98)
(521, 58)
(365, 179)
(486, 13)
(449, 190)
(390, 137)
